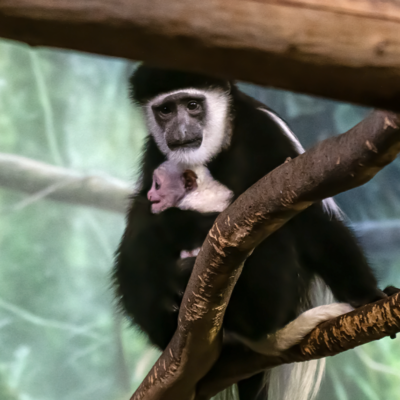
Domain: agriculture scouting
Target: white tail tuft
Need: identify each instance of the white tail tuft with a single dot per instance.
(301, 381)
(230, 393)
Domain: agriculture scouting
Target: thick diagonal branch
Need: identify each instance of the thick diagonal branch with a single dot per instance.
(333, 166)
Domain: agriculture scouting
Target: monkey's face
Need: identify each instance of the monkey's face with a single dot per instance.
(166, 191)
(182, 117)
(190, 126)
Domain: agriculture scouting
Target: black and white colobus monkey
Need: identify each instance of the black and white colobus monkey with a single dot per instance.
(197, 120)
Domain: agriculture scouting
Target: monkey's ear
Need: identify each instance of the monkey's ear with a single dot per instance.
(189, 180)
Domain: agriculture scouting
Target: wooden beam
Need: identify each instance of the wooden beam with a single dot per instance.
(343, 49)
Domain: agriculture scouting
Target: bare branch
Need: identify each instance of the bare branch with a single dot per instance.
(341, 49)
(45, 180)
(337, 164)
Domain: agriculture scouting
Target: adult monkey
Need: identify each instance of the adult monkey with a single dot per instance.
(198, 120)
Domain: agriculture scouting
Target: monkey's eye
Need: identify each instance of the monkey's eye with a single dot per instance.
(157, 185)
(193, 105)
(165, 110)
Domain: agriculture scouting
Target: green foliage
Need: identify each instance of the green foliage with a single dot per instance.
(60, 337)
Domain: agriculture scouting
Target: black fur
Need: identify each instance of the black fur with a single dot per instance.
(147, 82)
(276, 277)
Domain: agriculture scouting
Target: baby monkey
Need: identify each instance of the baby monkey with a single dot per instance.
(170, 185)
(188, 189)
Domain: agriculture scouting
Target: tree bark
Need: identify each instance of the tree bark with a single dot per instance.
(346, 50)
(332, 166)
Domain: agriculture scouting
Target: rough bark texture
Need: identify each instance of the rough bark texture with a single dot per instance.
(42, 180)
(330, 167)
(347, 50)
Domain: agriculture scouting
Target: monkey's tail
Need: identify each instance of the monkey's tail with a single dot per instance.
(230, 393)
(300, 381)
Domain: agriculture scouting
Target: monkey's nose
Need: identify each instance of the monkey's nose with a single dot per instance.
(149, 196)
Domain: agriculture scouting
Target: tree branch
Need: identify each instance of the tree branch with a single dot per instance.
(344, 50)
(45, 180)
(332, 166)
(364, 325)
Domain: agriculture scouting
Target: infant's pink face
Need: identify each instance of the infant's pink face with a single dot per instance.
(166, 191)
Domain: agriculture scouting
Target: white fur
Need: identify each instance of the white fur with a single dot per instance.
(296, 330)
(329, 205)
(216, 134)
(301, 381)
(286, 130)
(298, 381)
(332, 209)
(230, 393)
(209, 196)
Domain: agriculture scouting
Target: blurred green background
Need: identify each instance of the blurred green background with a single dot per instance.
(60, 337)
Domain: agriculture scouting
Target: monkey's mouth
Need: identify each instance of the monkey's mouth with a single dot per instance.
(187, 144)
